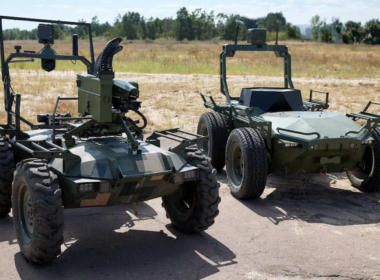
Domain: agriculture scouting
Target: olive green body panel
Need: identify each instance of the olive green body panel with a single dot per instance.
(337, 150)
(118, 176)
(95, 96)
(328, 150)
(333, 155)
(328, 124)
(122, 191)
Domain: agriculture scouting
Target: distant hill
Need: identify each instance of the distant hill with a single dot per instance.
(303, 28)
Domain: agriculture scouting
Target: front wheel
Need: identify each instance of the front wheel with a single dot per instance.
(37, 211)
(7, 167)
(215, 126)
(367, 175)
(195, 207)
(246, 163)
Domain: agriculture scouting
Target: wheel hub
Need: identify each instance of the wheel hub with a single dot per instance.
(237, 165)
(27, 213)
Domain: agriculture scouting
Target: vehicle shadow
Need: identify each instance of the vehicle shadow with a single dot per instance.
(316, 199)
(101, 243)
(7, 230)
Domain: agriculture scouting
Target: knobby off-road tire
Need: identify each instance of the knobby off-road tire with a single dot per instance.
(246, 163)
(7, 167)
(215, 126)
(367, 177)
(37, 211)
(194, 209)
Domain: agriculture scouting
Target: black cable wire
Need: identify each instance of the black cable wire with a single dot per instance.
(133, 124)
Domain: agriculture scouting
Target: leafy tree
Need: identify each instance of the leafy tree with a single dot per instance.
(226, 27)
(130, 24)
(354, 32)
(337, 25)
(325, 32)
(80, 30)
(315, 23)
(151, 29)
(203, 24)
(142, 29)
(372, 32)
(271, 20)
(168, 26)
(293, 31)
(184, 28)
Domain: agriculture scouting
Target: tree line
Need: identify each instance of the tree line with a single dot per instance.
(202, 25)
(348, 33)
(195, 25)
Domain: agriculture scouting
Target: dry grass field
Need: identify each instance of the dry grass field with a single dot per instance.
(309, 59)
(171, 75)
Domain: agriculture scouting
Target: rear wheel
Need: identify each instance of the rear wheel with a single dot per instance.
(195, 207)
(7, 167)
(367, 175)
(246, 163)
(215, 126)
(37, 211)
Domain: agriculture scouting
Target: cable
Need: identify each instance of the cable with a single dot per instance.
(133, 124)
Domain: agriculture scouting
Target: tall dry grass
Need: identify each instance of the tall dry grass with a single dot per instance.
(172, 100)
(309, 59)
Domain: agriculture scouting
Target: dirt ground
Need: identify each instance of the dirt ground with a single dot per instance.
(302, 227)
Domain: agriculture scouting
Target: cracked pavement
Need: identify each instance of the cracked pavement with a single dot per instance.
(301, 228)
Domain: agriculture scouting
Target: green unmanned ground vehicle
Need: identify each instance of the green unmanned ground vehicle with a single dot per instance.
(272, 131)
(95, 159)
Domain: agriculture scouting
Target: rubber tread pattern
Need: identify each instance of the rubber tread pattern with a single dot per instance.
(255, 170)
(7, 167)
(218, 131)
(207, 197)
(372, 183)
(47, 207)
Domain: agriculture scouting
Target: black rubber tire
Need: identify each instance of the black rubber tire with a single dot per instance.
(369, 180)
(7, 167)
(194, 209)
(35, 188)
(214, 125)
(250, 180)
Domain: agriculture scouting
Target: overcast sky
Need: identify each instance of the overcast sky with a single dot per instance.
(295, 11)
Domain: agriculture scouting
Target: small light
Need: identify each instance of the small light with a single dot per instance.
(315, 147)
(291, 144)
(190, 174)
(89, 187)
(352, 145)
(367, 142)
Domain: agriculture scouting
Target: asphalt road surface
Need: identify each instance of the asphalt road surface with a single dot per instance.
(302, 227)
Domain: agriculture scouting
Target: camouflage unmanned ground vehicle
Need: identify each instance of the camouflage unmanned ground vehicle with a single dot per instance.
(272, 131)
(95, 159)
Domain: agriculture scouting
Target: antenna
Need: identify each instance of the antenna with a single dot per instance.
(238, 23)
(277, 32)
